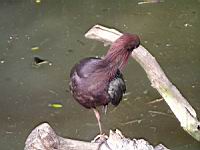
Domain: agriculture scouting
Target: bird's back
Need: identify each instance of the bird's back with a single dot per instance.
(91, 86)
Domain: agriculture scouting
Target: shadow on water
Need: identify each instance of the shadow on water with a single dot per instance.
(53, 30)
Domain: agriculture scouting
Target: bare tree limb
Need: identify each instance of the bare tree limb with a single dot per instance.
(183, 111)
(44, 138)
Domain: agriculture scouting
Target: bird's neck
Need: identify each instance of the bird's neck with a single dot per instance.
(115, 59)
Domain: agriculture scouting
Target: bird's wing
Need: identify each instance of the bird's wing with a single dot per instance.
(117, 88)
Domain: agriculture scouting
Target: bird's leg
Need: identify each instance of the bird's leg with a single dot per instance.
(101, 138)
(98, 118)
(105, 108)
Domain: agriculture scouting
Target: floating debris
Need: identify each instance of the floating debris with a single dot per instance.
(55, 105)
(36, 48)
(2, 61)
(187, 25)
(38, 1)
(38, 62)
(150, 2)
(53, 92)
(154, 113)
(168, 45)
(138, 121)
(9, 132)
(156, 101)
(125, 99)
(13, 38)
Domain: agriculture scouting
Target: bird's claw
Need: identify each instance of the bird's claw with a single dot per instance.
(100, 138)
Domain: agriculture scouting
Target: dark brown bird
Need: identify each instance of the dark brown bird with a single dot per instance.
(99, 81)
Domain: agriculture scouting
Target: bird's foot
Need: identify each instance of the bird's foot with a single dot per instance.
(101, 138)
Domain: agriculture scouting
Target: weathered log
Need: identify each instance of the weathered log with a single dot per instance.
(43, 137)
(183, 111)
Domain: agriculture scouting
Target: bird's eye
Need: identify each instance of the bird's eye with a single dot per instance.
(129, 48)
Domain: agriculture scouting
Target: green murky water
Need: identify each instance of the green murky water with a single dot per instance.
(169, 30)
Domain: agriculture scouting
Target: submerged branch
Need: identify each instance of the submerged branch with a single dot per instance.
(183, 111)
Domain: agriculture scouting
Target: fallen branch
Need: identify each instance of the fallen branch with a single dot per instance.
(44, 138)
(178, 104)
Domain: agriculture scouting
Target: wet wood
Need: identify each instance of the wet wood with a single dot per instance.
(43, 137)
(183, 111)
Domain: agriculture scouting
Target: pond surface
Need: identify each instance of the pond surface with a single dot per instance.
(54, 31)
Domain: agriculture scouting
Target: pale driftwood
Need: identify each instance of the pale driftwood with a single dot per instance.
(44, 138)
(178, 104)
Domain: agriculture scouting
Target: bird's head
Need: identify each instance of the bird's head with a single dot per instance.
(121, 49)
(127, 42)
